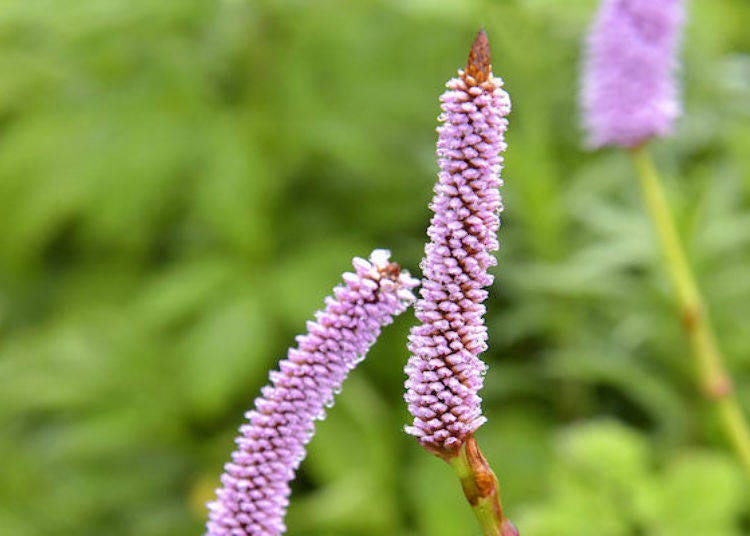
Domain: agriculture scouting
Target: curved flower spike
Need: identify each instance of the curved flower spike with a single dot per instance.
(445, 373)
(629, 91)
(255, 485)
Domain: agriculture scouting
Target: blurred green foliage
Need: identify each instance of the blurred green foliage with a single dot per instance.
(605, 483)
(182, 181)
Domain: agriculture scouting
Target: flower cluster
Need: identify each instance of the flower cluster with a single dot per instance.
(444, 372)
(255, 485)
(629, 91)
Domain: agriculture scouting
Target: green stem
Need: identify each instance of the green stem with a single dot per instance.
(481, 489)
(715, 381)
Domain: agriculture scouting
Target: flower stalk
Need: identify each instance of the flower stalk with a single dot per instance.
(716, 383)
(481, 489)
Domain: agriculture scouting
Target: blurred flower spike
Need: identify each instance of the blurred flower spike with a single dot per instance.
(629, 90)
(444, 372)
(255, 485)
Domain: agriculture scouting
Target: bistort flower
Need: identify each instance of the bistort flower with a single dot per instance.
(444, 372)
(629, 90)
(253, 498)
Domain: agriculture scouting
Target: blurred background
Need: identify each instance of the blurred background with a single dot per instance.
(183, 181)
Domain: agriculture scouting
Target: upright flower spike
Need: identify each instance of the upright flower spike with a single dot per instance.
(444, 372)
(629, 90)
(255, 485)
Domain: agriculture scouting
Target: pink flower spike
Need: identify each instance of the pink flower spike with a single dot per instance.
(444, 372)
(254, 494)
(629, 90)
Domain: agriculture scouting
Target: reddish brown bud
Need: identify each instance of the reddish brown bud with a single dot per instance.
(508, 528)
(484, 478)
(478, 66)
(719, 388)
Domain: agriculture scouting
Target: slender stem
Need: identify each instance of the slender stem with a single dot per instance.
(715, 381)
(481, 489)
